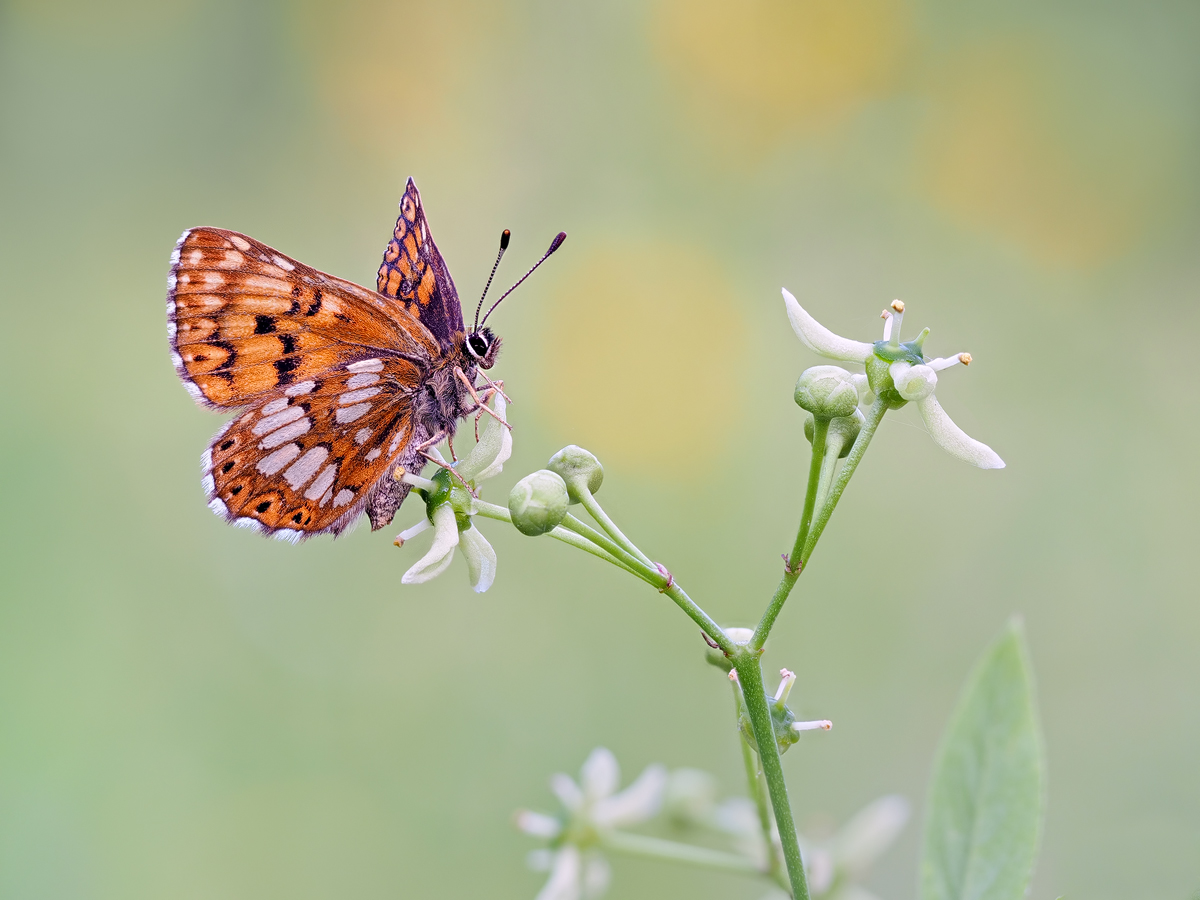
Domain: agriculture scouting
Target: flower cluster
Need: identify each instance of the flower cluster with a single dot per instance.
(898, 372)
(450, 503)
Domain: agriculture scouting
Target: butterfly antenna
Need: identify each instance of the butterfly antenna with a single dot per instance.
(504, 236)
(554, 245)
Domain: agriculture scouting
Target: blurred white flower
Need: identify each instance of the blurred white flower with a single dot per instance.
(914, 381)
(591, 807)
(486, 459)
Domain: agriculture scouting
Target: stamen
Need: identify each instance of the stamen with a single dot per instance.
(733, 675)
(819, 725)
(946, 362)
(402, 475)
(785, 686)
(409, 533)
(887, 325)
(893, 339)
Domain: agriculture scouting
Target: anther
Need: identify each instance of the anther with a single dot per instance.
(964, 358)
(898, 305)
(733, 675)
(785, 686)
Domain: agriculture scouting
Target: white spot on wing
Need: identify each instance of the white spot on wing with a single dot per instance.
(366, 365)
(302, 388)
(299, 472)
(194, 257)
(361, 436)
(278, 420)
(343, 497)
(325, 497)
(282, 263)
(286, 433)
(356, 396)
(231, 259)
(395, 442)
(275, 406)
(357, 381)
(240, 242)
(214, 278)
(350, 413)
(374, 455)
(271, 464)
(323, 483)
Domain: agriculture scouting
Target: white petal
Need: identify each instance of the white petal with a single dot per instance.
(488, 457)
(820, 339)
(564, 878)
(480, 557)
(436, 561)
(567, 791)
(540, 860)
(872, 830)
(913, 382)
(538, 824)
(640, 801)
(596, 875)
(818, 864)
(953, 439)
(600, 774)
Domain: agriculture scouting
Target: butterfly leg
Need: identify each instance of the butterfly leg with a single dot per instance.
(422, 451)
(481, 405)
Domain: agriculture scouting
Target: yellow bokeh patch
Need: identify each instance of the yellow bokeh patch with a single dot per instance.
(646, 350)
(759, 71)
(1071, 173)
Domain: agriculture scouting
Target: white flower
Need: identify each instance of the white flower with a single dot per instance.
(913, 381)
(591, 807)
(486, 459)
(835, 864)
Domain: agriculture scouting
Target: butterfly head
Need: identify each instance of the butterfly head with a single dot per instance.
(482, 346)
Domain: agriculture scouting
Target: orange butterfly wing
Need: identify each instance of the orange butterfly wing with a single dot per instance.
(329, 370)
(245, 320)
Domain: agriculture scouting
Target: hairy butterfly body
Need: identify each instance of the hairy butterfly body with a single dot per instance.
(338, 384)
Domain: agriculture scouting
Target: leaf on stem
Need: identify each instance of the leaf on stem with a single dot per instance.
(985, 803)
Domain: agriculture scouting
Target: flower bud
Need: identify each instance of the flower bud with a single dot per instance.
(781, 723)
(579, 469)
(881, 383)
(538, 502)
(842, 432)
(827, 391)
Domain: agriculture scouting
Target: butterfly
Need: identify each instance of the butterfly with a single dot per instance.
(339, 385)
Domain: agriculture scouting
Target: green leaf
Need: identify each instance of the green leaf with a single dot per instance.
(985, 803)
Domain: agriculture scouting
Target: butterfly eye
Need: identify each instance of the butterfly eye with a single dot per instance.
(478, 345)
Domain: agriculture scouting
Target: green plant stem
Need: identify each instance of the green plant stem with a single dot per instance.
(754, 696)
(501, 514)
(755, 784)
(874, 417)
(701, 618)
(657, 848)
(647, 573)
(601, 517)
(806, 538)
(820, 433)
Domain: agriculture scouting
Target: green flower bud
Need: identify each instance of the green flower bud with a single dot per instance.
(842, 432)
(579, 469)
(827, 391)
(538, 502)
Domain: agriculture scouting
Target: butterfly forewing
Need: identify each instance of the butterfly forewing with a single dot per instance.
(245, 320)
(414, 272)
(307, 460)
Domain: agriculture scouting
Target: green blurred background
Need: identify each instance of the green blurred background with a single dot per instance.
(191, 711)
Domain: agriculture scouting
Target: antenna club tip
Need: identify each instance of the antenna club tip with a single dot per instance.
(557, 242)
(504, 238)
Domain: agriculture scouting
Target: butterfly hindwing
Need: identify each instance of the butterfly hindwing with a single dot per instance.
(414, 272)
(308, 458)
(244, 320)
